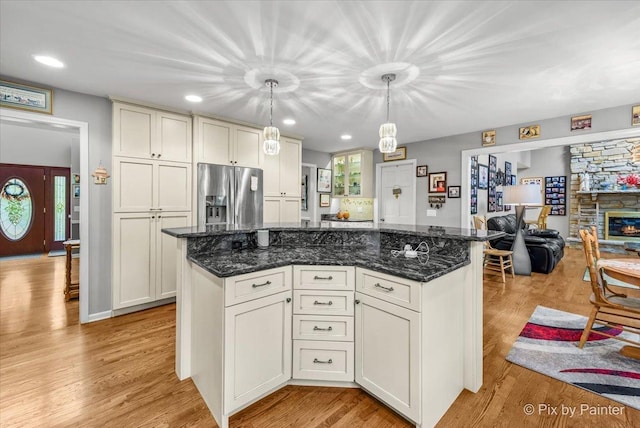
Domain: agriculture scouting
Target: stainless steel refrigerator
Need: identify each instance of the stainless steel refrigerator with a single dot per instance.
(229, 195)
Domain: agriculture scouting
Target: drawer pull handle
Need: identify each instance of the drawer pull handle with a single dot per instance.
(316, 328)
(323, 303)
(377, 284)
(328, 278)
(317, 361)
(261, 285)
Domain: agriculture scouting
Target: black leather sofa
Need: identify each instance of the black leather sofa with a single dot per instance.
(546, 247)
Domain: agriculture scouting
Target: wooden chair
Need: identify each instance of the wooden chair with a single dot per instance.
(610, 309)
(541, 222)
(494, 259)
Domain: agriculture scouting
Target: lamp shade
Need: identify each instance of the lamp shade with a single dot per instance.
(522, 194)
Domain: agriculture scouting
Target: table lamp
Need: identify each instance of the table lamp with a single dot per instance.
(520, 196)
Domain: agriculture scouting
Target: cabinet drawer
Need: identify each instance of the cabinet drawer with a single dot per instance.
(243, 288)
(323, 360)
(324, 277)
(313, 327)
(321, 302)
(405, 293)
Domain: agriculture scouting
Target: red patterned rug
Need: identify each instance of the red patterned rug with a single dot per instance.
(548, 344)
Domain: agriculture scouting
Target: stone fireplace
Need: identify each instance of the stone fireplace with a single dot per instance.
(622, 225)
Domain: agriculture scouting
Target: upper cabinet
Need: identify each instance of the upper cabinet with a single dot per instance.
(282, 172)
(353, 174)
(150, 134)
(225, 143)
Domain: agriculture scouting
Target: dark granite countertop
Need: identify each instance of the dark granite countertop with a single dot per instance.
(417, 230)
(237, 262)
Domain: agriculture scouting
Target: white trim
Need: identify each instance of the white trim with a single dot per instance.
(465, 156)
(379, 167)
(312, 196)
(83, 128)
(100, 316)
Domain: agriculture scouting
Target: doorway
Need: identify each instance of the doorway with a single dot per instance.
(308, 200)
(396, 192)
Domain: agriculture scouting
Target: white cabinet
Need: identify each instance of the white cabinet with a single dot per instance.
(323, 323)
(225, 143)
(283, 172)
(281, 210)
(144, 261)
(143, 185)
(387, 353)
(353, 174)
(151, 134)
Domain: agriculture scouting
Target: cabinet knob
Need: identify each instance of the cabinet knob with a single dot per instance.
(153, 155)
(357, 302)
(153, 216)
(288, 299)
(159, 154)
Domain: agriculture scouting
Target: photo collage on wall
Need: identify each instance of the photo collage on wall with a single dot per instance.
(474, 185)
(507, 181)
(555, 194)
(492, 194)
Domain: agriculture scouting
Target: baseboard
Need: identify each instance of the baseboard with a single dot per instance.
(142, 307)
(99, 316)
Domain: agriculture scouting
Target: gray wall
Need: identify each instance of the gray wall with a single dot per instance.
(444, 154)
(45, 146)
(321, 160)
(96, 111)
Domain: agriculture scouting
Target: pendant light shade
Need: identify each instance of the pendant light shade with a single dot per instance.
(271, 134)
(388, 142)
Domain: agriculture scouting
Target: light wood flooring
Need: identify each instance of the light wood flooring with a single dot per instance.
(120, 372)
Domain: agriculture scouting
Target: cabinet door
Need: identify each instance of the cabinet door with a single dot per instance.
(271, 175)
(290, 210)
(166, 247)
(134, 238)
(214, 142)
(387, 353)
(257, 348)
(174, 137)
(173, 186)
(133, 184)
(271, 210)
(354, 168)
(290, 167)
(247, 147)
(339, 173)
(134, 131)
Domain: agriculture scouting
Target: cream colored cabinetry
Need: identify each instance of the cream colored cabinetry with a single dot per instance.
(152, 189)
(151, 134)
(282, 177)
(225, 143)
(353, 174)
(323, 323)
(144, 261)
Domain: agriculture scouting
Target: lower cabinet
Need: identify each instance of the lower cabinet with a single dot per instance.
(281, 210)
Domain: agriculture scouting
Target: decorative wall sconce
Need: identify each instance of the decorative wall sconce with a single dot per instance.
(437, 201)
(100, 175)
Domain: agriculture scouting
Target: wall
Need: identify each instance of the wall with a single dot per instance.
(321, 160)
(444, 154)
(96, 111)
(483, 195)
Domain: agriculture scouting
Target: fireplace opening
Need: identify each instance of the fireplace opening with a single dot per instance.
(622, 225)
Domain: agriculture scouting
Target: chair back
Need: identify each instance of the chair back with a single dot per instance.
(480, 223)
(597, 282)
(596, 244)
(542, 217)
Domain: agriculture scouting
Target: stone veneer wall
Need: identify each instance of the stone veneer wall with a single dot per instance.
(603, 161)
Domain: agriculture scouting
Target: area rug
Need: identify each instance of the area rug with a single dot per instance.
(548, 344)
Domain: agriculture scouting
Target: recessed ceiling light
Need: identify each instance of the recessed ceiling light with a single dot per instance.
(47, 60)
(345, 136)
(289, 121)
(193, 98)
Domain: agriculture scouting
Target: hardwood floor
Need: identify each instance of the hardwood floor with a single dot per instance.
(120, 372)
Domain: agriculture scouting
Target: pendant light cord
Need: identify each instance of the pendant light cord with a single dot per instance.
(388, 80)
(271, 108)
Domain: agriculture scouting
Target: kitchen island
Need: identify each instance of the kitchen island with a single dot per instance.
(331, 306)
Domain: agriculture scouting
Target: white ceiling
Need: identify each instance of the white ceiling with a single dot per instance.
(462, 66)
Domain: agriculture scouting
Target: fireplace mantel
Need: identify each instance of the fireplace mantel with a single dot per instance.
(594, 193)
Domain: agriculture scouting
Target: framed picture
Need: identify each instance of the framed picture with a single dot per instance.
(532, 180)
(421, 171)
(437, 182)
(529, 132)
(454, 191)
(483, 177)
(581, 122)
(555, 188)
(76, 190)
(399, 154)
(75, 178)
(635, 116)
(507, 174)
(325, 200)
(491, 190)
(514, 180)
(324, 181)
(23, 97)
(489, 138)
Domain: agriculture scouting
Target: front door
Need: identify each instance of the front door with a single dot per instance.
(397, 193)
(22, 203)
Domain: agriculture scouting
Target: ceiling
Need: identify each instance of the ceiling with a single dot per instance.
(461, 66)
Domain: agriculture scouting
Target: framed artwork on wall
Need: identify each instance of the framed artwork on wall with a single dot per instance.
(507, 174)
(581, 122)
(437, 182)
(399, 154)
(489, 138)
(483, 177)
(324, 181)
(473, 200)
(454, 191)
(635, 116)
(325, 200)
(555, 188)
(23, 97)
(421, 171)
(529, 132)
(491, 190)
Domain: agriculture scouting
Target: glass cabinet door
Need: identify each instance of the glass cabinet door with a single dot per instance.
(339, 174)
(355, 172)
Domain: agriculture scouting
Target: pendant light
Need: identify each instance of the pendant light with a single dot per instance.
(271, 134)
(388, 141)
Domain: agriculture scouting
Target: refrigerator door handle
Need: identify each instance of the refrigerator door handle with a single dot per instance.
(231, 204)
